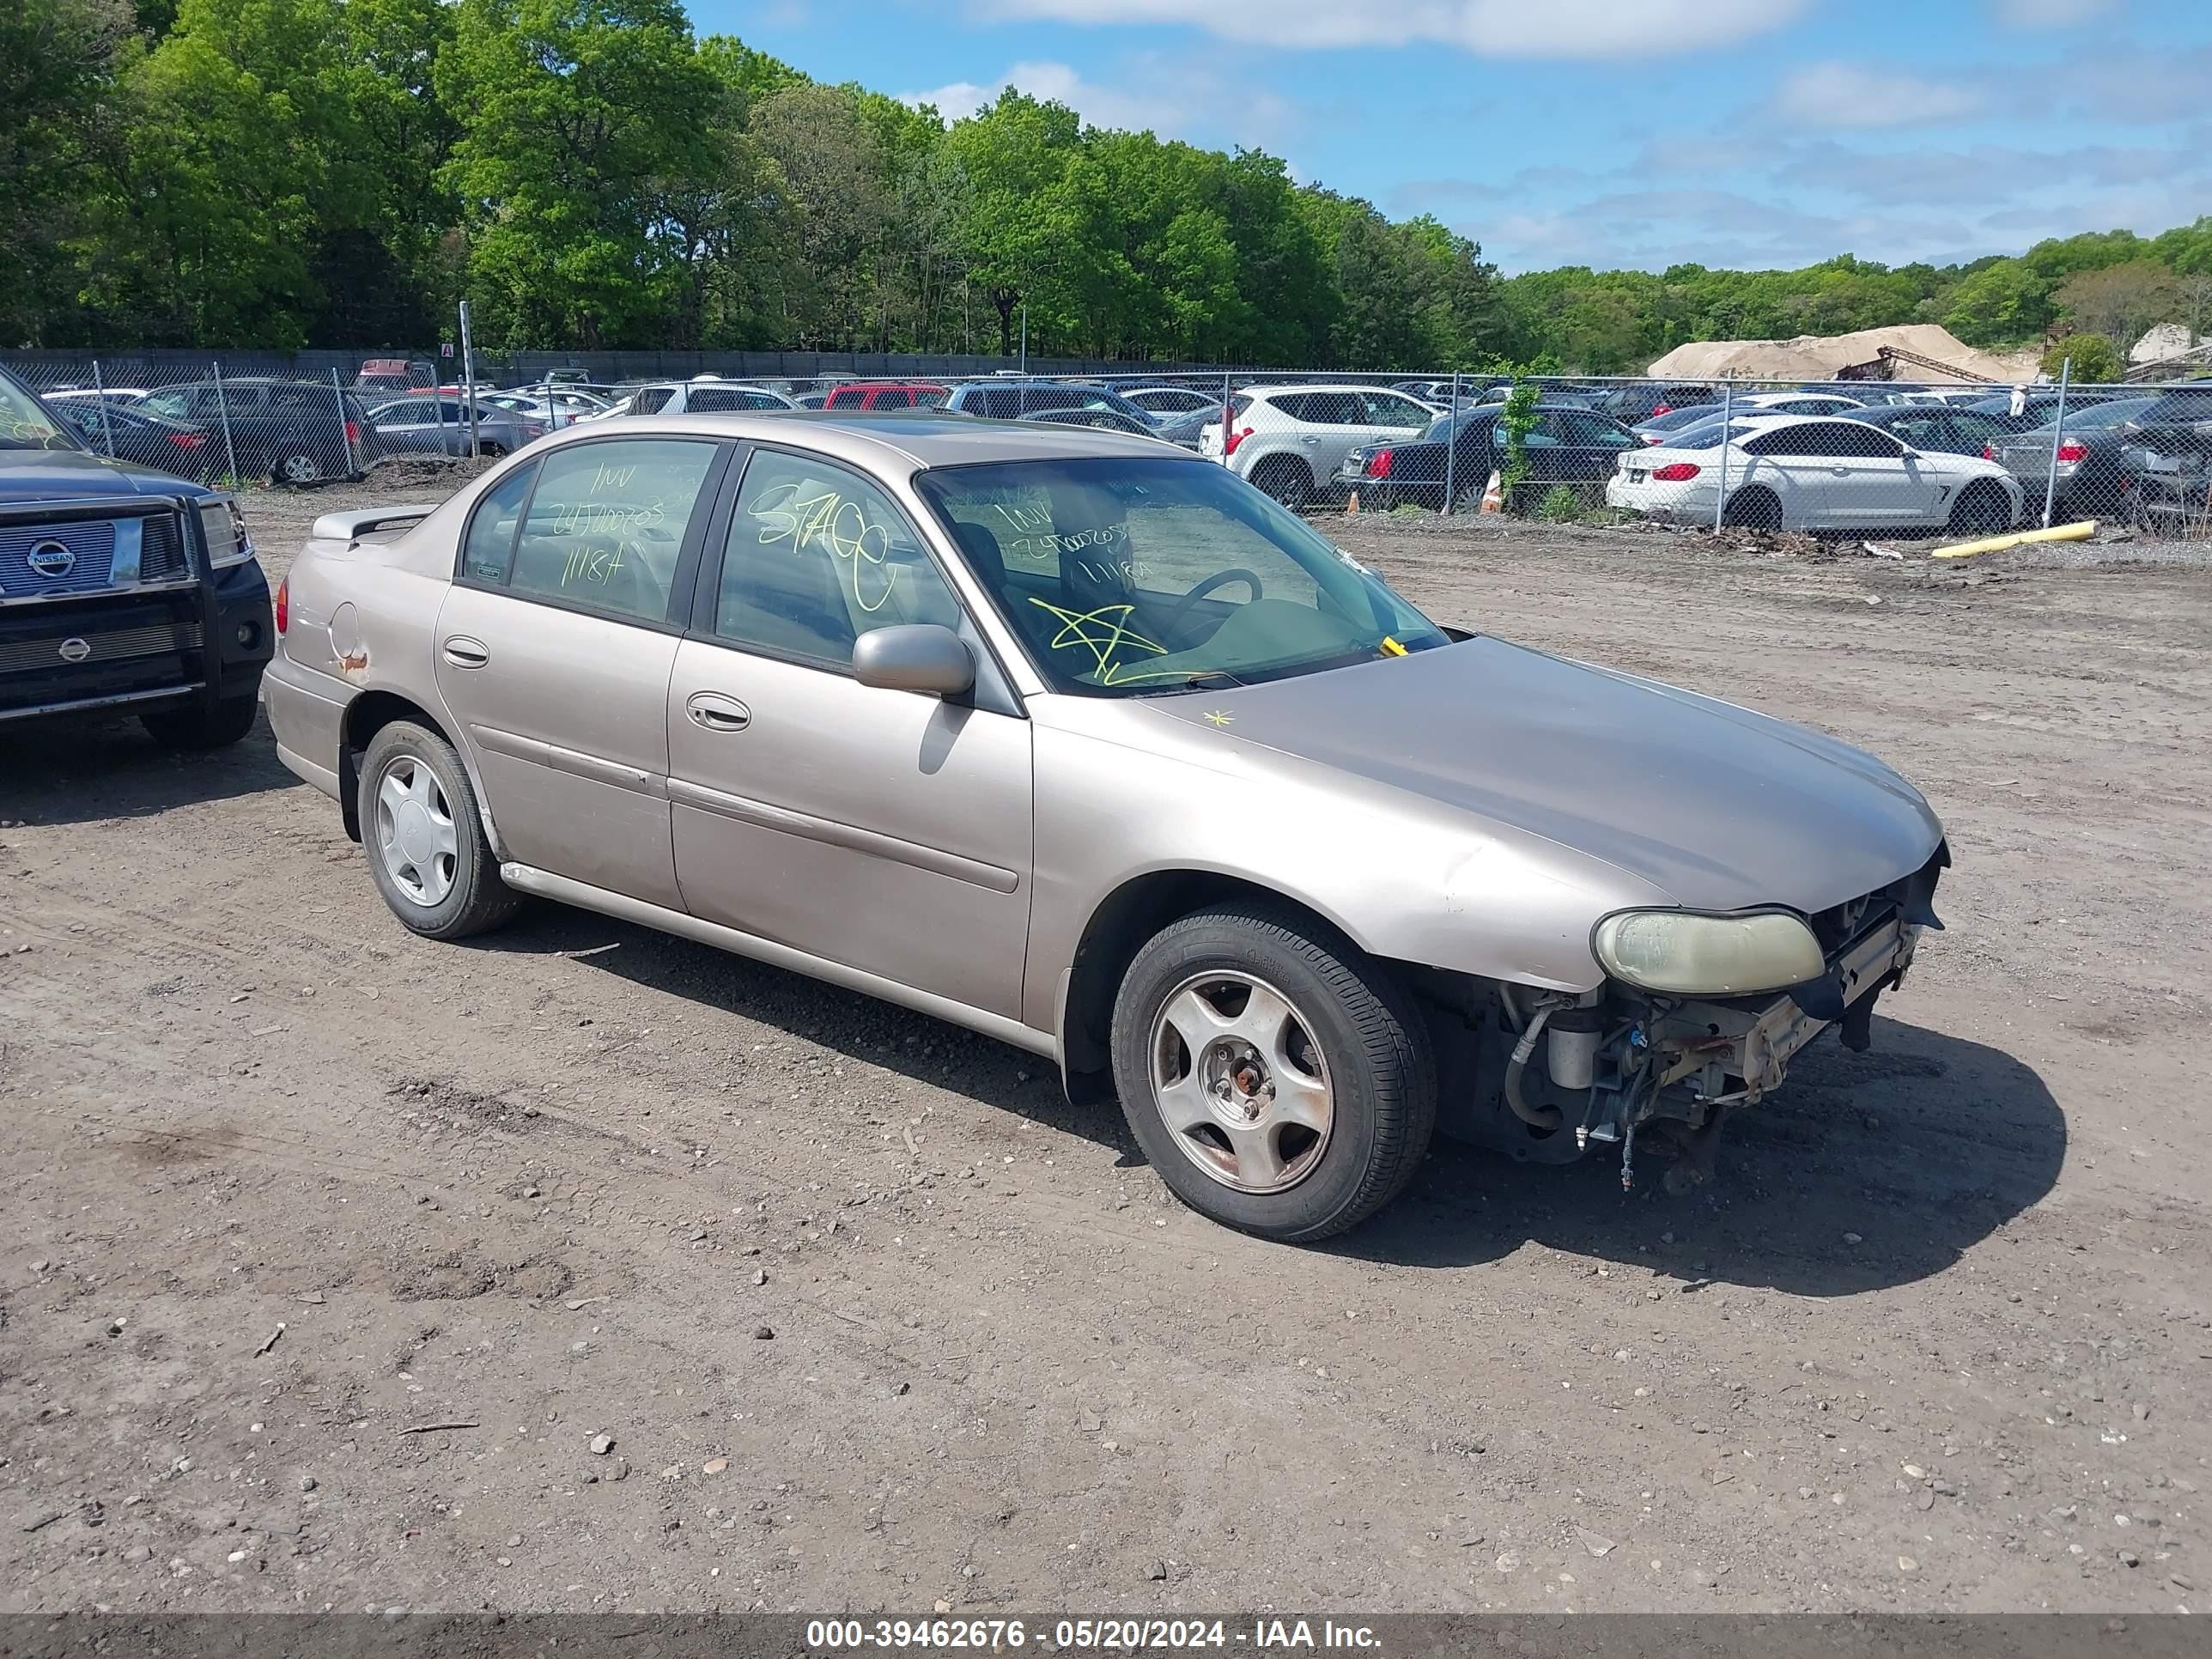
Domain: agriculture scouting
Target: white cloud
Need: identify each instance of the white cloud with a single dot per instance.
(1489, 29)
(2047, 13)
(1179, 99)
(1837, 94)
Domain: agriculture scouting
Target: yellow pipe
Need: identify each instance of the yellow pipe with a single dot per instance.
(2061, 532)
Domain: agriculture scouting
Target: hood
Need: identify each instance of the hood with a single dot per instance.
(1720, 807)
(29, 476)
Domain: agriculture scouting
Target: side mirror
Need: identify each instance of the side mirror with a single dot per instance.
(921, 657)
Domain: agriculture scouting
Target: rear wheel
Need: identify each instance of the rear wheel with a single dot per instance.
(296, 466)
(1755, 508)
(428, 851)
(1276, 1078)
(1286, 479)
(1982, 509)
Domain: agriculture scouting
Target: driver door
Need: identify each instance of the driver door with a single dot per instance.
(885, 830)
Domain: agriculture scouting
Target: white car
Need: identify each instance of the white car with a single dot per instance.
(694, 398)
(1814, 473)
(563, 408)
(1287, 439)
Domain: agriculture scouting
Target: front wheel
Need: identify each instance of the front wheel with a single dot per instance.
(428, 851)
(296, 466)
(1275, 1077)
(1982, 509)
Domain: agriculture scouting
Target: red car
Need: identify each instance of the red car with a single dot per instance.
(887, 394)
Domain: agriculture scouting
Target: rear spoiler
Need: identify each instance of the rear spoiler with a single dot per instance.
(352, 527)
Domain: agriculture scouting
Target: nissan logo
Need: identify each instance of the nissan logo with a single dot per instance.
(52, 558)
(74, 650)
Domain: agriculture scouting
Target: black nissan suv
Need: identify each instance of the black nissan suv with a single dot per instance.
(122, 589)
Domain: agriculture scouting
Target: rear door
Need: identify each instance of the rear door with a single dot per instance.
(1873, 480)
(555, 646)
(1590, 445)
(1793, 462)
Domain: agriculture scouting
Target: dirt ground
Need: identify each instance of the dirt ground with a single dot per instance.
(326, 1254)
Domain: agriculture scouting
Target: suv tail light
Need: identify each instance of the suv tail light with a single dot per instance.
(353, 432)
(2073, 452)
(1988, 451)
(1676, 472)
(188, 440)
(1235, 438)
(283, 603)
(1378, 464)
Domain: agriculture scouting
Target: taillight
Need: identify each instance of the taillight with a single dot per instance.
(353, 432)
(1235, 438)
(2072, 451)
(187, 440)
(1663, 408)
(1676, 472)
(1653, 439)
(1988, 451)
(1378, 464)
(283, 603)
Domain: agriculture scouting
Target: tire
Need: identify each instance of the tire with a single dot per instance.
(1982, 509)
(194, 729)
(295, 465)
(442, 882)
(491, 451)
(1285, 478)
(1755, 508)
(1348, 1055)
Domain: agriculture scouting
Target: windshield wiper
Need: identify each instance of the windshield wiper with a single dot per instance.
(1205, 679)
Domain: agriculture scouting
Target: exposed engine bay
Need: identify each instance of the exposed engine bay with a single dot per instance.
(1546, 1076)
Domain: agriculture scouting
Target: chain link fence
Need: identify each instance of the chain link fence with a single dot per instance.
(1870, 459)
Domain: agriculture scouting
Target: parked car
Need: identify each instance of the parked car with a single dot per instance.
(2189, 404)
(1569, 445)
(122, 590)
(1008, 398)
(2038, 407)
(1088, 746)
(560, 406)
(1655, 430)
(1815, 472)
(694, 398)
(1187, 431)
(2088, 468)
(390, 374)
(1935, 427)
(1102, 420)
(176, 447)
(1630, 404)
(885, 395)
(1792, 403)
(1167, 401)
(295, 432)
(1290, 441)
(440, 426)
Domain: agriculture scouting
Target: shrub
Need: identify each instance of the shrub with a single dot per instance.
(2097, 360)
(1561, 505)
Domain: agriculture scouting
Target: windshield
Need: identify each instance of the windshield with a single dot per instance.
(25, 423)
(1125, 577)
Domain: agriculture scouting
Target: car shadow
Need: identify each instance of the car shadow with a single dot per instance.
(916, 1046)
(1864, 1171)
(1921, 1147)
(81, 768)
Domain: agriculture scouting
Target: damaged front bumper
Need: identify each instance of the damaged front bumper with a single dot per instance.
(1726, 1054)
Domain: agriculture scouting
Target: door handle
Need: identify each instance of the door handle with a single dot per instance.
(464, 652)
(711, 711)
(1309, 440)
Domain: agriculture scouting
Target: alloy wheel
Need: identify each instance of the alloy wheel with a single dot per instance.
(1241, 1082)
(414, 832)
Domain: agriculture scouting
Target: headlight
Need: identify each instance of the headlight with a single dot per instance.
(1691, 954)
(224, 526)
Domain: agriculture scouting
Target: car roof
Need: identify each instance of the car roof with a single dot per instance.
(1321, 385)
(923, 438)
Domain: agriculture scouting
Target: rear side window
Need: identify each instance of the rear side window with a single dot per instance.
(607, 522)
(891, 396)
(843, 397)
(490, 541)
(650, 399)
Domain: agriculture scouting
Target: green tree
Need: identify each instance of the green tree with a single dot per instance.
(2096, 360)
(2005, 302)
(59, 60)
(575, 118)
(1021, 233)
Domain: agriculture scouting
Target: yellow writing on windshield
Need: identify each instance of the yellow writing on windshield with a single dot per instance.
(1102, 632)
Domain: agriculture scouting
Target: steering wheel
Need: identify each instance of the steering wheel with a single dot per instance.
(1235, 573)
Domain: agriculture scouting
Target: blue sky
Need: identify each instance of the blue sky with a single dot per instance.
(1608, 132)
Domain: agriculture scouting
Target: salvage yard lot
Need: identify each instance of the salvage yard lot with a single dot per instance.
(875, 1320)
